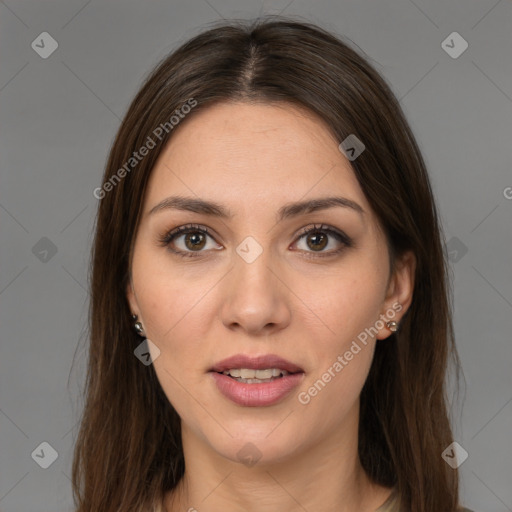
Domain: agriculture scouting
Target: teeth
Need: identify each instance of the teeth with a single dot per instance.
(263, 374)
(247, 374)
(254, 381)
(257, 375)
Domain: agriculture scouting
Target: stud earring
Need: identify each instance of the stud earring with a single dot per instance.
(138, 326)
(392, 326)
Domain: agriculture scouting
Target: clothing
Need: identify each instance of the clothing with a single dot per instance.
(392, 504)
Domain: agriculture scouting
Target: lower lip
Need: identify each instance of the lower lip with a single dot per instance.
(256, 395)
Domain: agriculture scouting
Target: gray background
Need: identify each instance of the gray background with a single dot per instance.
(59, 116)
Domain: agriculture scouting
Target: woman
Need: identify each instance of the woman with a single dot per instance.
(270, 322)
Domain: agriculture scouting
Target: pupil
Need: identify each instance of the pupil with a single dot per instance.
(196, 239)
(319, 240)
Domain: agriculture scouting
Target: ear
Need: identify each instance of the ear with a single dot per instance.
(130, 295)
(399, 292)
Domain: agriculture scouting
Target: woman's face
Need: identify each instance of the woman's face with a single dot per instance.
(257, 284)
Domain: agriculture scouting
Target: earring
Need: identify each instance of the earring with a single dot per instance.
(138, 326)
(392, 326)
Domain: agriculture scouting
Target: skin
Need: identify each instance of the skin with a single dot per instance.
(290, 301)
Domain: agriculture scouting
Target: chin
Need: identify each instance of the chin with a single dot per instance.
(251, 454)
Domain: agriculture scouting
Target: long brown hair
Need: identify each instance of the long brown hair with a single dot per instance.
(128, 452)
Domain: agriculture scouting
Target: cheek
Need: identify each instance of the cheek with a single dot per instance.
(347, 305)
(175, 317)
(345, 302)
(333, 394)
(167, 296)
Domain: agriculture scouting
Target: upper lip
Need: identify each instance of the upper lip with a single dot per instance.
(261, 362)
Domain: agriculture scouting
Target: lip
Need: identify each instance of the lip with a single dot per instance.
(261, 362)
(256, 395)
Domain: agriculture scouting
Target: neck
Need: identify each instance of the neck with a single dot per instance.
(325, 476)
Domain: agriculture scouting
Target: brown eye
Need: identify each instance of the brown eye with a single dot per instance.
(189, 241)
(317, 241)
(317, 238)
(195, 240)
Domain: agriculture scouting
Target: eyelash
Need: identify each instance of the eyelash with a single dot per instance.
(170, 236)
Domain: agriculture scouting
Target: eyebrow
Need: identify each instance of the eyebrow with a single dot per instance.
(289, 210)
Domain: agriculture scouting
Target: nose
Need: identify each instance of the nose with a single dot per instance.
(255, 299)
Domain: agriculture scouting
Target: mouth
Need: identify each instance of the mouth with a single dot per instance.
(257, 381)
(251, 376)
(263, 367)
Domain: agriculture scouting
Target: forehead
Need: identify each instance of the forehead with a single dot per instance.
(243, 151)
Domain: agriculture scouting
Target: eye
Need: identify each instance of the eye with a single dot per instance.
(189, 239)
(317, 238)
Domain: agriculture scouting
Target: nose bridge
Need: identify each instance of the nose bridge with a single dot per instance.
(255, 271)
(253, 276)
(256, 300)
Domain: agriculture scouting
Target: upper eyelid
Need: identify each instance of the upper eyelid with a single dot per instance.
(321, 227)
(184, 229)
